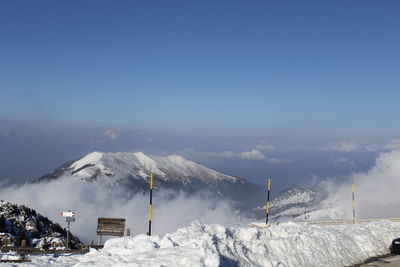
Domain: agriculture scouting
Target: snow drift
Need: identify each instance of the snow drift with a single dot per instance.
(284, 245)
(288, 244)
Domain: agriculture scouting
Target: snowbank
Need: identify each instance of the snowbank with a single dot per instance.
(286, 244)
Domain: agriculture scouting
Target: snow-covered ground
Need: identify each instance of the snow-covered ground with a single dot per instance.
(286, 244)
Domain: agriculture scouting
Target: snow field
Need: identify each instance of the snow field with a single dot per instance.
(283, 245)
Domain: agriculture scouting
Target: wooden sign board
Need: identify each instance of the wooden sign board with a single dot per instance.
(111, 226)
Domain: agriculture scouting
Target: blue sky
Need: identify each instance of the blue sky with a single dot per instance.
(309, 66)
(203, 76)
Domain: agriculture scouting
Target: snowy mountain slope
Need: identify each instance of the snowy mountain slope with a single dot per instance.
(286, 244)
(131, 171)
(119, 165)
(116, 166)
(294, 195)
(294, 202)
(20, 222)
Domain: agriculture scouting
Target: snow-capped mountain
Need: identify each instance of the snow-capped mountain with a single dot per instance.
(292, 203)
(104, 166)
(132, 170)
(19, 223)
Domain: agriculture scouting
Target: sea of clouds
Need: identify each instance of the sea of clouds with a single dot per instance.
(377, 191)
(90, 201)
(377, 194)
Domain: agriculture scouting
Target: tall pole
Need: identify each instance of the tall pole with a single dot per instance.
(68, 230)
(354, 203)
(267, 205)
(151, 203)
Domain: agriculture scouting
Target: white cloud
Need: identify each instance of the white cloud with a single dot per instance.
(225, 154)
(393, 144)
(90, 201)
(265, 147)
(253, 154)
(346, 161)
(113, 133)
(363, 146)
(377, 192)
(342, 146)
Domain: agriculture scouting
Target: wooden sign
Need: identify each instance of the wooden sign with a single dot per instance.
(111, 226)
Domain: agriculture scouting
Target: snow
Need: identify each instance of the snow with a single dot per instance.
(98, 165)
(285, 244)
(91, 158)
(148, 163)
(294, 196)
(155, 251)
(294, 204)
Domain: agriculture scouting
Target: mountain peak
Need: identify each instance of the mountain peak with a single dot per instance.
(176, 159)
(132, 170)
(113, 167)
(147, 162)
(91, 158)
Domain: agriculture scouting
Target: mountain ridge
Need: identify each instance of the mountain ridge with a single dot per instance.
(101, 165)
(132, 170)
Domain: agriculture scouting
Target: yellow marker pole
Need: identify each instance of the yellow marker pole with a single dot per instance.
(267, 205)
(151, 203)
(354, 203)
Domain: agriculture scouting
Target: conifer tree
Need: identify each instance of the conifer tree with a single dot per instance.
(21, 236)
(2, 224)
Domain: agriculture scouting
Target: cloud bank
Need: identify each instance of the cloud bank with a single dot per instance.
(342, 146)
(93, 200)
(350, 146)
(113, 134)
(377, 192)
(252, 154)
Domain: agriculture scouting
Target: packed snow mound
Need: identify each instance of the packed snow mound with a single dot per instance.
(100, 166)
(286, 244)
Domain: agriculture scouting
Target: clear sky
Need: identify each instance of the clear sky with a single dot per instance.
(236, 85)
(309, 66)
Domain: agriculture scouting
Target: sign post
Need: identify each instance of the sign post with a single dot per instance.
(69, 217)
(354, 204)
(151, 203)
(267, 205)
